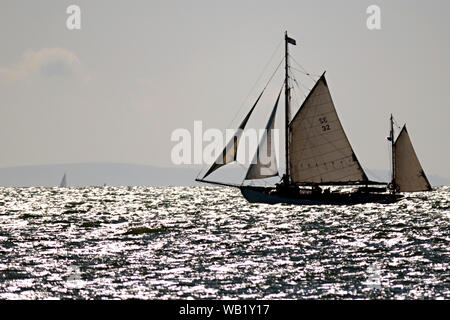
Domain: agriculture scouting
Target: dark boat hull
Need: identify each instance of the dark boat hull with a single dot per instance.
(267, 195)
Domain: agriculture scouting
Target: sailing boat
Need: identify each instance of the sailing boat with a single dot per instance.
(318, 153)
(63, 183)
(407, 173)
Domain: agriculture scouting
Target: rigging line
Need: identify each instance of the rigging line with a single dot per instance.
(304, 92)
(301, 71)
(309, 74)
(306, 88)
(296, 98)
(273, 74)
(301, 90)
(297, 63)
(270, 79)
(303, 96)
(395, 122)
(259, 78)
(297, 103)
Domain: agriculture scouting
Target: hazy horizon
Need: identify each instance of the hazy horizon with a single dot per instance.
(128, 174)
(115, 90)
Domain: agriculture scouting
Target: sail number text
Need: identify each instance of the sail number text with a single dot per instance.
(324, 123)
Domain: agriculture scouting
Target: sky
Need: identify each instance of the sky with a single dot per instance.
(115, 90)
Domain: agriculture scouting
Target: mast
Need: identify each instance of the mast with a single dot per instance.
(391, 138)
(287, 107)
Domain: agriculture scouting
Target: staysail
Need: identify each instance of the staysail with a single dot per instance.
(63, 183)
(229, 153)
(264, 164)
(319, 149)
(409, 175)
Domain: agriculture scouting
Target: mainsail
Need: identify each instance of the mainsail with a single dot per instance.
(229, 153)
(63, 183)
(264, 164)
(319, 149)
(409, 175)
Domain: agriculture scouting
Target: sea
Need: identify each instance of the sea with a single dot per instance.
(210, 243)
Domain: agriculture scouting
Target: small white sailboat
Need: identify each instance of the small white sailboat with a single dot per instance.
(63, 183)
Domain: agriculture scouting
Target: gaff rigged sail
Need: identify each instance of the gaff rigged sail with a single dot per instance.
(319, 149)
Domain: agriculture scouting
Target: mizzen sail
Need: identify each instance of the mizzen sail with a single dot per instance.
(409, 175)
(319, 149)
(264, 164)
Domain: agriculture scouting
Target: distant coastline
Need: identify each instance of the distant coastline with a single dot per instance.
(123, 174)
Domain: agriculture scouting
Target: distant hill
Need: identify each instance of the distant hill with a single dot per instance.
(383, 175)
(96, 174)
(111, 174)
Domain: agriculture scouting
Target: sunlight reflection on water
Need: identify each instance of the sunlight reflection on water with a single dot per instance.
(191, 242)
